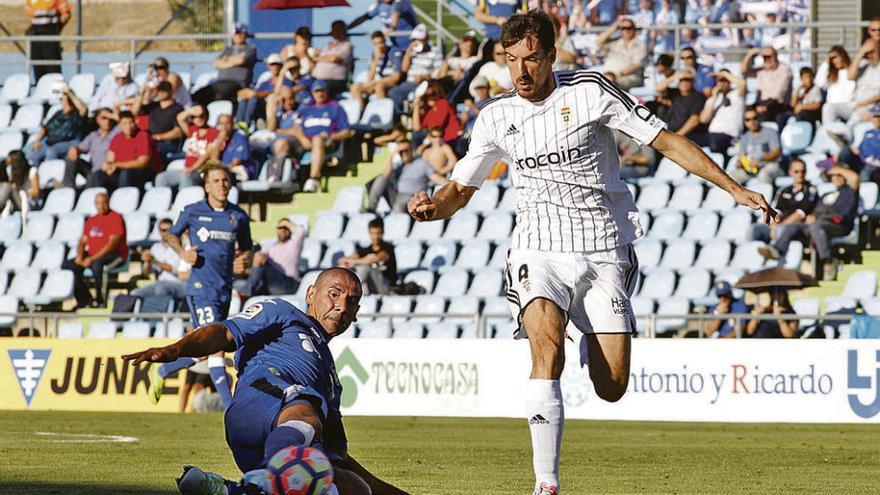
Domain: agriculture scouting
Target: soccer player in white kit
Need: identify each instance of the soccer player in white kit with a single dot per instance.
(571, 262)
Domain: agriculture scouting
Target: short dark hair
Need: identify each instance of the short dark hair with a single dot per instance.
(376, 223)
(665, 59)
(806, 70)
(377, 34)
(797, 159)
(689, 49)
(125, 114)
(303, 32)
(164, 86)
(166, 221)
(163, 62)
(534, 22)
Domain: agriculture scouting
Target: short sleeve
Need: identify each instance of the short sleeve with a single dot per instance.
(245, 243)
(341, 119)
(259, 319)
(118, 225)
(85, 146)
(181, 224)
(482, 154)
(250, 56)
(620, 110)
(772, 139)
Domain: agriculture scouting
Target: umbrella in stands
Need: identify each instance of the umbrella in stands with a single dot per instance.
(299, 4)
(775, 278)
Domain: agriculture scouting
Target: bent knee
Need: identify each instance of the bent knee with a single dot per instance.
(611, 389)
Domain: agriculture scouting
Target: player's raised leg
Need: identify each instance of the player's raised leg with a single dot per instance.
(609, 356)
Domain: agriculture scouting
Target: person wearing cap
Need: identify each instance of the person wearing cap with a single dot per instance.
(626, 57)
(335, 60)
(420, 61)
(685, 103)
(493, 13)
(496, 72)
(235, 69)
(116, 88)
(48, 18)
(375, 263)
(727, 304)
(250, 98)
(458, 65)
(61, 131)
(723, 113)
(158, 104)
(396, 15)
(275, 268)
(384, 71)
(865, 156)
(833, 217)
(774, 83)
(759, 151)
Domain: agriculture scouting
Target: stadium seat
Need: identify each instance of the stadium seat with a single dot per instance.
(58, 287)
(307, 279)
(408, 254)
(462, 226)
(102, 330)
(679, 254)
(15, 88)
(369, 305)
(39, 226)
(18, 255)
(871, 306)
(806, 306)
(85, 205)
(667, 225)
(8, 304)
(25, 283)
(496, 309)
(10, 227)
(44, 91)
(50, 255)
(487, 282)
(485, 199)
(466, 307)
(428, 305)
(218, 108)
(452, 283)
(440, 254)
(508, 201)
(794, 256)
(300, 219)
(408, 330)
(499, 255)
(378, 114)
(658, 283)
(474, 254)
(5, 115)
(377, 329)
(60, 201)
(204, 79)
(648, 251)
(796, 137)
(442, 330)
(10, 140)
(823, 143)
(83, 85)
(867, 196)
(735, 225)
(310, 255)
(397, 306)
(137, 227)
(653, 197)
(718, 199)
(135, 330)
(350, 199)
(686, 197)
(187, 196)
(69, 330)
(501, 331)
(297, 301)
(702, 225)
(834, 304)
(352, 109)
(693, 283)
(747, 257)
(642, 308)
(335, 250)
(328, 226)
(427, 231)
(496, 226)
(356, 229)
(28, 118)
(862, 284)
(69, 229)
(424, 278)
(667, 171)
(156, 201)
(124, 200)
(50, 172)
(397, 226)
(671, 306)
(4, 281)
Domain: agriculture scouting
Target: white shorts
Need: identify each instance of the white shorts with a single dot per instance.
(593, 289)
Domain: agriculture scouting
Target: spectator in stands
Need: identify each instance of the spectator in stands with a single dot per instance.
(20, 186)
(96, 144)
(806, 101)
(685, 103)
(383, 73)
(704, 80)
(131, 159)
(420, 61)
(839, 88)
(301, 85)
(199, 137)
(320, 127)
(866, 156)
(396, 15)
(233, 150)
(566, 56)
(251, 98)
(403, 176)
(375, 264)
(457, 66)
(275, 268)
(793, 202)
(493, 13)
(102, 246)
(773, 329)
(643, 16)
(431, 109)
(606, 12)
(635, 160)
(335, 61)
(281, 119)
(759, 152)
(774, 83)
(496, 72)
(61, 131)
(833, 217)
(723, 113)
(435, 151)
(867, 77)
(159, 105)
(302, 50)
(235, 69)
(626, 56)
(48, 18)
(163, 261)
(725, 327)
(159, 71)
(115, 89)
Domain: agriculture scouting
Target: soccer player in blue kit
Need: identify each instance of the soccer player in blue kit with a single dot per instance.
(288, 393)
(215, 227)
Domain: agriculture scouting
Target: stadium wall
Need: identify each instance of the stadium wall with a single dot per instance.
(807, 381)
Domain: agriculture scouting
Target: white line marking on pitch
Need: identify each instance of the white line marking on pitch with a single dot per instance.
(86, 438)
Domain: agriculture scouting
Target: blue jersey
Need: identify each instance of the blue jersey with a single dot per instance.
(406, 22)
(329, 118)
(391, 62)
(869, 149)
(215, 234)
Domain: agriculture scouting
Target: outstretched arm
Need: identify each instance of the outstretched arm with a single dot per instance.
(448, 200)
(208, 340)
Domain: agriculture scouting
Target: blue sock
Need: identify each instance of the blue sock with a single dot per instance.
(217, 369)
(290, 434)
(173, 367)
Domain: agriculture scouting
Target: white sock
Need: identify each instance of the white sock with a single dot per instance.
(544, 409)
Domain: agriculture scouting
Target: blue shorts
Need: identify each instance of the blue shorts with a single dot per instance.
(208, 308)
(259, 398)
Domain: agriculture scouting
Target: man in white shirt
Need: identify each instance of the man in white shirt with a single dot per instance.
(571, 262)
(162, 260)
(723, 112)
(420, 61)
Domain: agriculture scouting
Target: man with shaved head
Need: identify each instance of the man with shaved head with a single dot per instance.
(102, 246)
(288, 393)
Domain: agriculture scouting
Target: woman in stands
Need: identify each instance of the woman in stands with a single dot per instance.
(301, 49)
(432, 109)
(457, 66)
(20, 187)
(839, 88)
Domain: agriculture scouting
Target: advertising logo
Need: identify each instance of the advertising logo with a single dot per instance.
(856, 382)
(28, 365)
(347, 360)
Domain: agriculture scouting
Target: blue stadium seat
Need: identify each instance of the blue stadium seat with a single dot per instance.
(70, 228)
(85, 205)
(5, 115)
(667, 225)
(125, 200)
(156, 201)
(694, 283)
(369, 304)
(378, 114)
(310, 256)
(671, 306)
(50, 172)
(440, 254)
(442, 330)
(18, 255)
(427, 231)
(499, 255)
(462, 226)
(102, 330)
(508, 201)
(378, 329)
(187, 196)
(137, 227)
(328, 225)
(701, 225)
(747, 257)
(218, 108)
(397, 226)
(686, 197)
(357, 227)
(735, 225)
(204, 79)
(424, 278)
(485, 199)
(135, 330)
(648, 251)
(452, 283)
(335, 250)
(69, 330)
(796, 137)
(428, 305)
(15, 88)
(10, 140)
(307, 279)
(350, 199)
(658, 283)
(25, 283)
(397, 306)
(83, 85)
(714, 254)
(496, 226)
(28, 118)
(653, 197)
(39, 226)
(718, 200)
(50, 255)
(352, 109)
(408, 254)
(474, 254)
(679, 254)
(861, 284)
(59, 201)
(466, 306)
(487, 282)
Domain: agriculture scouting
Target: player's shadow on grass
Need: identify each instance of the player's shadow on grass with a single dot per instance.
(22, 488)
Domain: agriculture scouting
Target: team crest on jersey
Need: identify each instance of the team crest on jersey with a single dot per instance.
(251, 312)
(233, 221)
(203, 234)
(566, 115)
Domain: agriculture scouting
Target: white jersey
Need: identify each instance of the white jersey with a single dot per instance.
(563, 162)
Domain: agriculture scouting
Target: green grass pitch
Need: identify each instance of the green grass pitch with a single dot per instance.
(45, 453)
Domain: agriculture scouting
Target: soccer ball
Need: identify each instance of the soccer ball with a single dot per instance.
(300, 471)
